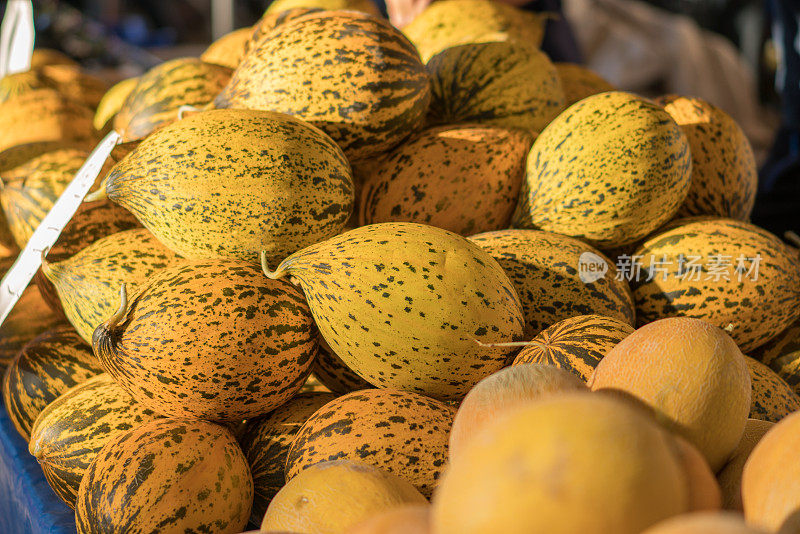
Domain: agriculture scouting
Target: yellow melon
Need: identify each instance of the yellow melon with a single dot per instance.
(409, 519)
(730, 477)
(704, 523)
(704, 490)
(578, 82)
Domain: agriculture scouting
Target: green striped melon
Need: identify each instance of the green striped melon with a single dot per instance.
(545, 269)
(214, 340)
(266, 443)
(30, 317)
(610, 170)
(45, 368)
(578, 82)
(233, 183)
(409, 306)
(772, 398)
(464, 179)
(449, 23)
(351, 74)
(576, 344)
(404, 433)
(500, 83)
(720, 280)
(168, 475)
(334, 374)
(161, 91)
(71, 430)
(782, 355)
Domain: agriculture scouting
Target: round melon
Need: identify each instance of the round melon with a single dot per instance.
(574, 463)
(112, 102)
(503, 391)
(168, 475)
(782, 355)
(578, 82)
(408, 519)
(333, 496)
(266, 443)
(351, 74)
(464, 179)
(366, 6)
(500, 83)
(724, 172)
(691, 374)
(730, 477)
(704, 523)
(401, 432)
(726, 272)
(229, 49)
(71, 430)
(45, 368)
(449, 23)
(551, 275)
(773, 399)
(332, 372)
(703, 489)
(576, 344)
(30, 317)
(609, 170)
(409, 306)
(213, 340)
(770, 489)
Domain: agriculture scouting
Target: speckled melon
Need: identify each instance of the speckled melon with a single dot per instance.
(578, 82)
(408, 306)
(758, 299)
(47, 115)
(331, 371)
(271, 20)
(773, 399)
(214, 340)
(610, 170)
(576, 344)
(501, 83)
(724, 173)
(30, 317)
(229, 49)
(161, 91)
(233, 183)
(168, 475)
(545, 269)
(366, 6)
(464, 179)
(266, 443)
(404, 433)
(67, 80)
(72, 429)
(449, 23)
(87, 284)
(351, 74)
(111, 103)
(782, 355)
(45, 368)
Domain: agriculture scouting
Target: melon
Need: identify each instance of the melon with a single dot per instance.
(730, 477)
(551, 275)
(351, 74)
(67, 80)
(229, 49)
(464, 179)
(773, 399)
(704, 523)
(691, 374)
(168, 475)
(583, 462)
(726, 272)
(366, 6)
(401, 432)
(30, 317)
(271, 20)
(782, 355)
(331, 497)
(499, 83)
(576, 344)
(332, 372)
(112, 102)
(409, 306)
(408, 519)
(578, 82)
(703, 489)
(48, 56)
(609, 170)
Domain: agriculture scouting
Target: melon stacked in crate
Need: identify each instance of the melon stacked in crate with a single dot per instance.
(343, 278)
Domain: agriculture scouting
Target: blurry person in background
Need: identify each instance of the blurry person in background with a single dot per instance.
(778, 201)
(559, 41)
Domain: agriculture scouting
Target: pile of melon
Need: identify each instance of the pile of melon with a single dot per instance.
(340, 278)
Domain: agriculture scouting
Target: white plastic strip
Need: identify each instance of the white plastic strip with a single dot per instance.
(16, 37)
(30, 259)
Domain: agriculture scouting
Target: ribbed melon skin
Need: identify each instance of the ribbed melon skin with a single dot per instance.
(72, 429)
(266, 443)
(757, 308)
(576, 344)
(404, 433)
(351, 74)
(168, 475)
(45, 368)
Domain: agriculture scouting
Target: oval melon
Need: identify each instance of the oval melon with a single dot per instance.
(730, 477)
(364, 84)
(229, 49)
(499, 83)
(71, 430)
(578, 82)
(704, 523)
(271, 20)
(704, 491)
(732, 273)
(691, 374)
(576, 345)
(408, 519)
(168, 475)
(67, 80)
(403, 433)
(609, 170)
(464, 179)
(773, 399)
(112, 102)
(30, 317)
(546, 271)
(334, 374)
(782, 355)
(406, 305)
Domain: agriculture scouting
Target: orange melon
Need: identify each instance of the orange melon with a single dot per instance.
(772, 398)
(704, 523)
(730, 477)
(408, 519)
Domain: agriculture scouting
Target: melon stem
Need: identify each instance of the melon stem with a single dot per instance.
(46, 269)
(115, 319)
(272, 275)
(100, 194)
